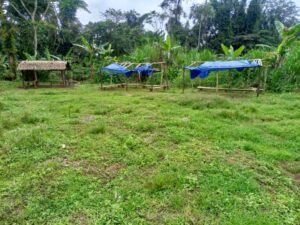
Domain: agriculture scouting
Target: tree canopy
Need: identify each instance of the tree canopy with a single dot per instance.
(35, 25)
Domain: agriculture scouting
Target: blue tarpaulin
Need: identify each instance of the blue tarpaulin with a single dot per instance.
(144, 70)
(204, 69)
(118, 69)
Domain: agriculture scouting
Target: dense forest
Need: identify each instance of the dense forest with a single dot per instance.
(50, 29)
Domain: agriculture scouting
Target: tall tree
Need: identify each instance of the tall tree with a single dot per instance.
(7, 33)
(34, 12)
(285, 11)
(239, 17)
(254, 16)
(203, 16)
(174, 10)
(222, 22)
(70, 25)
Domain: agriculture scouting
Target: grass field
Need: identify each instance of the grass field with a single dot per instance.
(82, 156)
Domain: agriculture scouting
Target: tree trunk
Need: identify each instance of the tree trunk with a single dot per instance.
(35, 40)
(13, 65)
(199, 35)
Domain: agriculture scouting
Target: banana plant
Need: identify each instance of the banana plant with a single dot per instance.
(49, 56)
(168, 48)
(288, 38)
(231, 53)
(29, 57)
(3, 62)
(94, 52)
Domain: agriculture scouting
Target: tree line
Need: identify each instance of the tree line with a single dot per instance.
(35, 28)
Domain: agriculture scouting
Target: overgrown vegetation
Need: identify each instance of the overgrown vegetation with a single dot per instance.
(80, 156)
(256, 29)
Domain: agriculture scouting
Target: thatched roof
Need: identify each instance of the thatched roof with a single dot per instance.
(44, 65)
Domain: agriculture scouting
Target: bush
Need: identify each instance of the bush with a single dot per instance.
(287, 77)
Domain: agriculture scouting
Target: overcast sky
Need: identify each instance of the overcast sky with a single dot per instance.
(142, 6)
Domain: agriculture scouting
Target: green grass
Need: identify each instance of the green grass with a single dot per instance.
(82, 156)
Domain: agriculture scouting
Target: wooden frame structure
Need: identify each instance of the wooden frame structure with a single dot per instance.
(257, 89)
(164, 82)
(29, 70)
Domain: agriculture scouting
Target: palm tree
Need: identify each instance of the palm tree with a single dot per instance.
(94, 52)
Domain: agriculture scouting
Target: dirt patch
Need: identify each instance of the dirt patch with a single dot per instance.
(79, 218)
(95, 169)
(87, 118)
(293, 170)
(148, 170)
(105, 174)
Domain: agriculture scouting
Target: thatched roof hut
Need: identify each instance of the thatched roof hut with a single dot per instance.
(30, 70)
(44, 66)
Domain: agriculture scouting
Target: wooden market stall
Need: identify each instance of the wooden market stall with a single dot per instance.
(205, 68)
(143, 71)
(30, 69)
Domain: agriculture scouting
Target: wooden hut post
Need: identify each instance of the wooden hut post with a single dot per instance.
(23, 79)
(162, 75)
(63, 74)
(35, 79)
